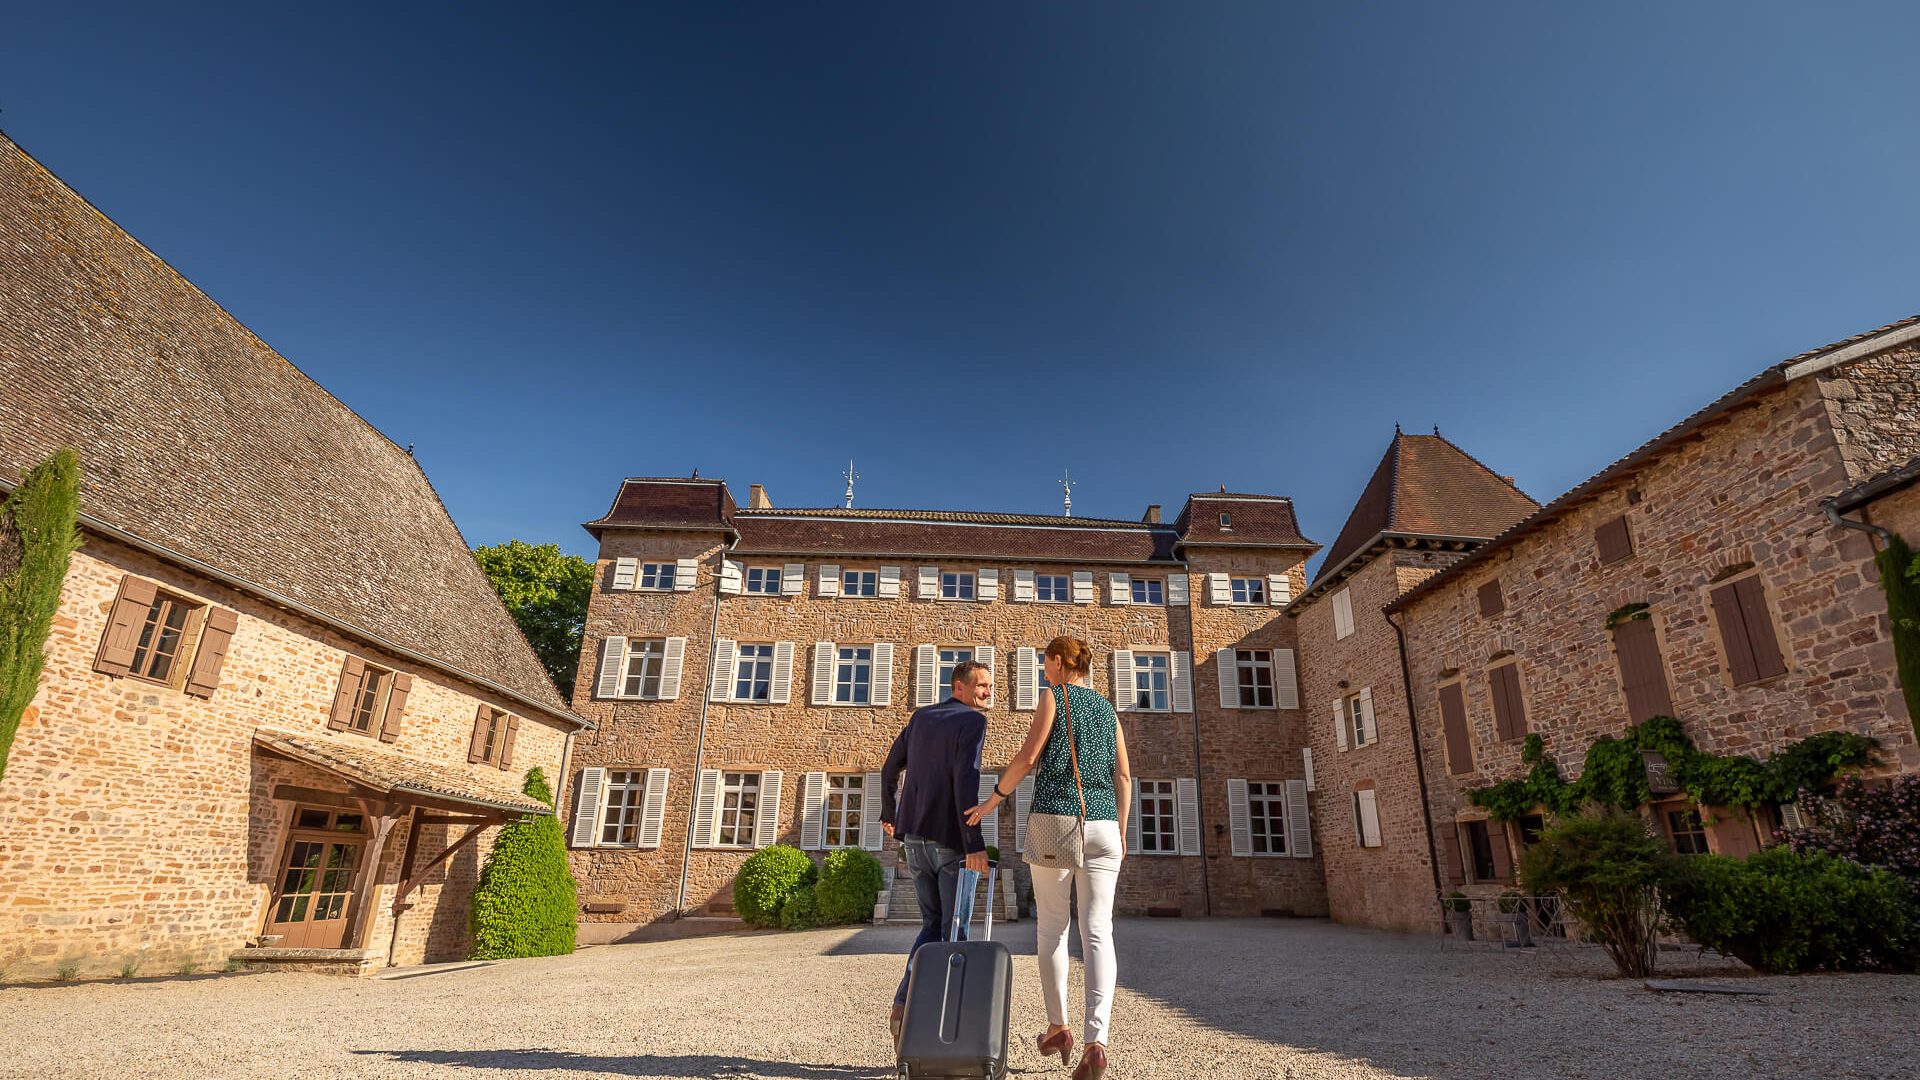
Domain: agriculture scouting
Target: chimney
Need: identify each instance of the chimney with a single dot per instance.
(1152, 516)
(757, 498)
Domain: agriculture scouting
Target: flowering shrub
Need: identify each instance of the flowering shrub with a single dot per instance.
(1784, 912)
(1875, 827)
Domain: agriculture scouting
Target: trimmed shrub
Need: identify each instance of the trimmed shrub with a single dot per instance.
(526, 903)
(799, 912)
(849, 887)
(1783, 911)
(1607, 866)
(37, 539)
(768, 879)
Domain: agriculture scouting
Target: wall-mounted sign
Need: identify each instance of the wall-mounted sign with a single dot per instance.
(1660, 779)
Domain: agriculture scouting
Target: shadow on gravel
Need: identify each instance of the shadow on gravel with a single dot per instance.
(709, 1065)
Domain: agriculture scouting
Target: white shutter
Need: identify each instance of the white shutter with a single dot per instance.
(625, 573)
(1791, 817)
(1342, 614)
(706, 817)
(987, 585)
(1123, 692)
(926, 669)
(1306, 763)
(986, 654)
(829, 583)
(1299, 825)
(1366, 715)
(1182, 677)
(1177, 586)
(872, 836)
(929, 583)
(1286, 680)
(1340, 723)
(766, 816)
(1369, 814)
(1022, 806)
(823, 657)
(1083, 586)
(1279, 589)
(890, 582)
(781, 692)
(721, 688)
(881, 689)
(586, 807)
(1026, 678)
(613, 662)
(793, 579)
(989, 825)
(1239, 822)
(1226, 666)
(1119, 589)
(685, 573)
(1187, 803)
(731, 575)
(1023, 586)
(1219, 589)
(1133, 822)
(653, 807)
(813, 812)
(671, 665)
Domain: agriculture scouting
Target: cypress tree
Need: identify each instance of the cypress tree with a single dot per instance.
(37, 541)
(1900, 576)
(526, 901)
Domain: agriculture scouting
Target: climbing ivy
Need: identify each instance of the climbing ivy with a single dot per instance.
(1614, 773)
(1628, 614)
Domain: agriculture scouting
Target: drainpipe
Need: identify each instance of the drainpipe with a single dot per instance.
(1199, 774)
(700, 744)
(1419, 755)
(1833, 515)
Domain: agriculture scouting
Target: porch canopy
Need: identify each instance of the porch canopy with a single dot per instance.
(385, 776)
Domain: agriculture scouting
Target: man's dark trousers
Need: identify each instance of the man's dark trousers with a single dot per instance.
(936, 877)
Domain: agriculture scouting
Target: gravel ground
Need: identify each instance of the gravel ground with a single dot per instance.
(1217, 998)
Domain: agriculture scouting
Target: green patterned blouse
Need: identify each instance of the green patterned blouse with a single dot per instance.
(1094, 727)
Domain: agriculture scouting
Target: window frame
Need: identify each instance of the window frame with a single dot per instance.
(1696, 827)
(1165, 667)
(1253, 594)
(1063, 594)
(651, 652)
(740, 659)
(1247, 661)
(851, 786)
(943, 667)
(769, 577)
(846, 673)
(630, 813)
(180, 659)
(1277, 814)
(1154, 590)
(1169, 816)
(860, 584)
(959, 585)
(496, 744)
(1483, 830)
(746, 819)
(663, 576)
(376, 710)
(1355, 718)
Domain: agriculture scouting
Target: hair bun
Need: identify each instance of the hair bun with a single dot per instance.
(1072, 652)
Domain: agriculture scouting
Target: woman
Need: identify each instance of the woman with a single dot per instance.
(1105, 791)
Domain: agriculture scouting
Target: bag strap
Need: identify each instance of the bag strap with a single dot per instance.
(1073, 753)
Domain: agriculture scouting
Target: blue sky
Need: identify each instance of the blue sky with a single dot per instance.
(1165, 246)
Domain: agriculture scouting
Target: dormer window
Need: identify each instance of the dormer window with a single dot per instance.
(1226, 521)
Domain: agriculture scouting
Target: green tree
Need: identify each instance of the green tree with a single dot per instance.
(546, 593)
(1900, 576)
(526, 903)
(37, 540)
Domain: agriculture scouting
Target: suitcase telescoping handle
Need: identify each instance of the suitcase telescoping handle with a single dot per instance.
(954, 934)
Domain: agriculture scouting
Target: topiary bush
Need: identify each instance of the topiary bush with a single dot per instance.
(849, 887)
(37, 540)
(526, 903)
(768, 879)
(1784, 912)
(1607, 866)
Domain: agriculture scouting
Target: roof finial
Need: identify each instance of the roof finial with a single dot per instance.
(409, 449)
(1396, 427)
(696, 472)
(1066, 485)
(849, 476)
(1436, 429)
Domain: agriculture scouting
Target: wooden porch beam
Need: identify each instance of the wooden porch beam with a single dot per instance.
(350, 799)
(413, 882)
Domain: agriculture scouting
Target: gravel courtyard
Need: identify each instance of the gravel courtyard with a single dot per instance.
(1197, 999)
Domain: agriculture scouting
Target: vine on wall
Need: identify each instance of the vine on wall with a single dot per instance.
(1900, 577)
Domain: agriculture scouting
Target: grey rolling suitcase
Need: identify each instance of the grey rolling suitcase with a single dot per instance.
(959, 1004)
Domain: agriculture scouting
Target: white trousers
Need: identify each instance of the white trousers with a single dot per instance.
(1052, 890)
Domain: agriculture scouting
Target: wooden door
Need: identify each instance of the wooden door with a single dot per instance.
(313, 893)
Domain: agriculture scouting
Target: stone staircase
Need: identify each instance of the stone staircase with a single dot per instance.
(898, 904)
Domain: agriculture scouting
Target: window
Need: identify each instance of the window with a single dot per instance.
(846, 804)
(950, 659)
(645, 659)
(1480, 850)
(1356, 715)
(860, 583)
(853, 675)
(752, 672)
(1509, 707)
(1342, 614)
(620, 826)
(1531, 827)
(1040, 668)
(1253, 668)
(491, 740)
(1688, 831)
(1453, 723)
(1746, 631)
(1366, 818)
(956, 585)
(1491, 601)
(657, 575)
(160, 635)
(1612, 541)
(1643, 674)
(763, 580)
(1249, 590)
(364, 698)
(1267, 817)
(739, 805)
(1157, 818)
(1149, 592)
(1226, 521)
(1150, 681)
(1052, 589)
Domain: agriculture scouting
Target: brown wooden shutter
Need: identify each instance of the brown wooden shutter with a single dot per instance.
(477, 746)
(350, 676)
(1732, 832)
(1642, 674)
(1456, 869)
(1502, 857)
(1453, 722)
(1612, 541)
(129, 614)
(1491, 602)
(396, 706)
(1767, 661)
(1509, 708)
(1733, 634)
(212, 654)
(506, 748)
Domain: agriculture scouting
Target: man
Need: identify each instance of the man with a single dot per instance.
(939, 751)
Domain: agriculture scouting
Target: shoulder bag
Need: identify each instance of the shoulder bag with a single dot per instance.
(1058, 841)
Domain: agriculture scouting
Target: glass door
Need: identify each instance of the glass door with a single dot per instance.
(316, 879)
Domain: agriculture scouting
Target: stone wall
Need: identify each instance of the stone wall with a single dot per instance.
(1873, 406)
